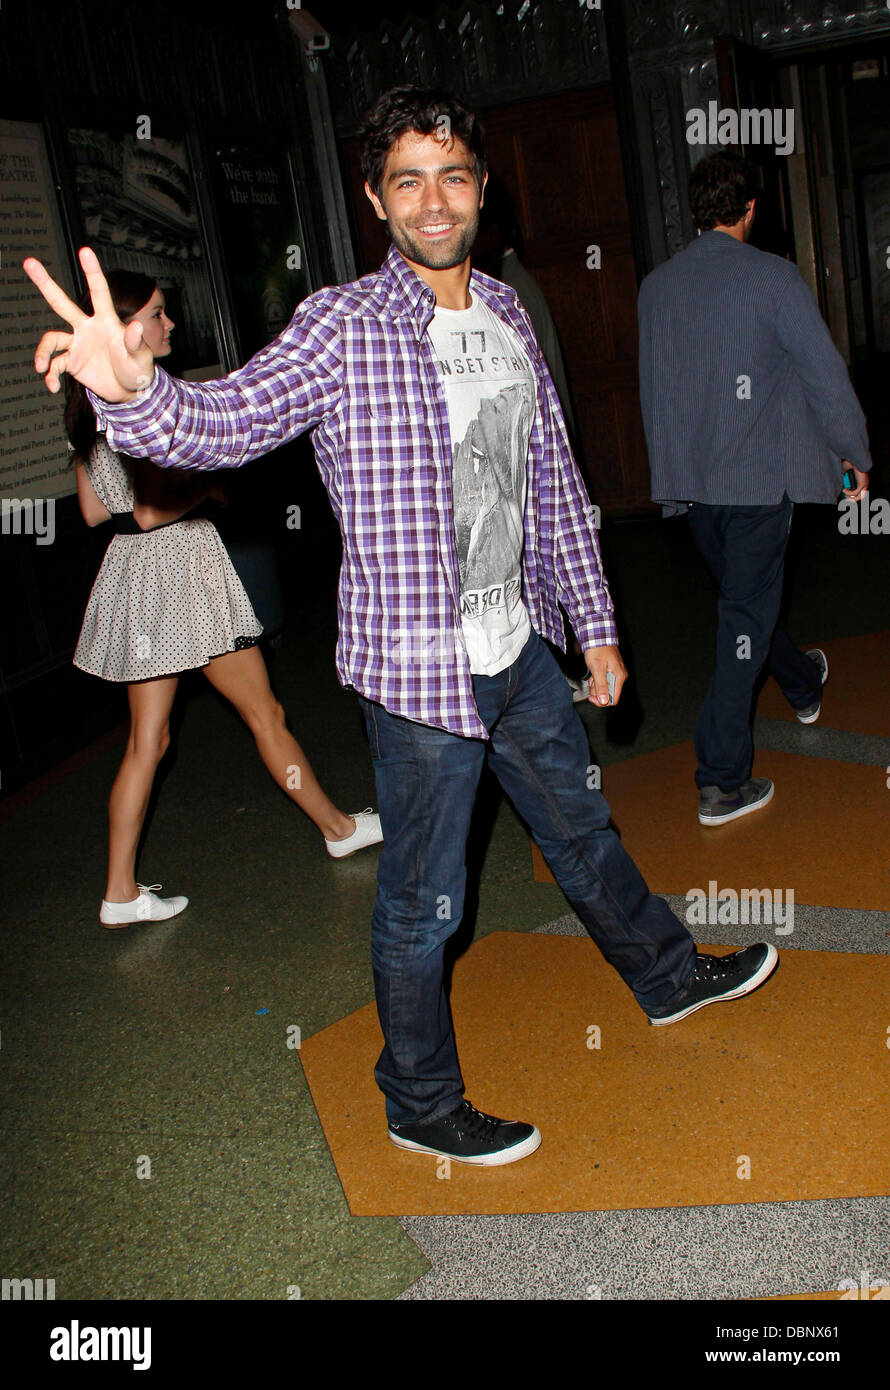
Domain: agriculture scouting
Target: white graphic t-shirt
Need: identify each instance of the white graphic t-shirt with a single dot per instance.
(490, 389)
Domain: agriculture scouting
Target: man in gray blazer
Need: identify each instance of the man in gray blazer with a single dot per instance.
(748, 408)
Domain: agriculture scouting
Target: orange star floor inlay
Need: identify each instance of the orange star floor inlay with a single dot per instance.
(781, 1096)
(823, 835)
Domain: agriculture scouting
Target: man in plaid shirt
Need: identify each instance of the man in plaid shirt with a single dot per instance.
(465, 523)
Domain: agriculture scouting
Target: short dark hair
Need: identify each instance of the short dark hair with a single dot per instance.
(428, 110)
(720, 188)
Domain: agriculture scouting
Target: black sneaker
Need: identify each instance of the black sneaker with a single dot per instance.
(720, 977)
(716, 807)
(469, 1136)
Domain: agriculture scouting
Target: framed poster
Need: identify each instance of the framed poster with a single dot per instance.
(262, 240)
(33, 446)
(139, 209)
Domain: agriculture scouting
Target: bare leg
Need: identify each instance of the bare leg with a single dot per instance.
(242, 678)
(148, 741)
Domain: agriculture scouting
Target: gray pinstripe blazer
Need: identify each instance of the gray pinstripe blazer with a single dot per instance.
(744, 395)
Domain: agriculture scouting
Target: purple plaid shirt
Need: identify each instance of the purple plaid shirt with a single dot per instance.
(356, 367)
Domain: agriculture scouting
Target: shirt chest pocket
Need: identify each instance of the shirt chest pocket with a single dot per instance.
(392, 436)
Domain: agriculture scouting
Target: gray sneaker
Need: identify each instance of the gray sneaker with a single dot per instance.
(716, 807)
(811, 713)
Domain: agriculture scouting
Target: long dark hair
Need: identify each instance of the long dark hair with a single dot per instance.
(130, 292)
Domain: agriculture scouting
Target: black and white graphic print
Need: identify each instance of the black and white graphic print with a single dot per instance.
(490, 391)
(489, 480)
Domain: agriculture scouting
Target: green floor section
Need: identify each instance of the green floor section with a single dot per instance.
(143, 1051)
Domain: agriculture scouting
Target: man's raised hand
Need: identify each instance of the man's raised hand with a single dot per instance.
(100, 352)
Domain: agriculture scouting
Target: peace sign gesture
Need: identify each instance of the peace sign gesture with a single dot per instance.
(101, 352)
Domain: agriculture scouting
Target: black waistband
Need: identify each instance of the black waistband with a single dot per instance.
(125, 523)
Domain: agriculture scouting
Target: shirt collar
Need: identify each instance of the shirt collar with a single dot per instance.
(409, 295)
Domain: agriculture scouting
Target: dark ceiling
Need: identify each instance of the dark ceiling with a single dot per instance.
(336, 17)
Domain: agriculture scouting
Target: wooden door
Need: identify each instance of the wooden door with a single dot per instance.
(560, 161)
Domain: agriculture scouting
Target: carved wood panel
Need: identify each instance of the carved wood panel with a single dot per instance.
(486, 53)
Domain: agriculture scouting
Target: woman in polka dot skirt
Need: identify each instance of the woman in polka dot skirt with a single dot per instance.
(168, 599)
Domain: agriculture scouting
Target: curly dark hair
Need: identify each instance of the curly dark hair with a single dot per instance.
(130, 292)
(720, 189)
(427, 110)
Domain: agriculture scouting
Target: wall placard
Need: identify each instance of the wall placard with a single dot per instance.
(262, 241)
(33, 446)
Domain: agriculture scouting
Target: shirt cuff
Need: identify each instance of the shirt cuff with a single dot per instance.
(125, 418)
(597, 631)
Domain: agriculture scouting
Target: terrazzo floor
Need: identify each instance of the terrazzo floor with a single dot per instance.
(161, 1141)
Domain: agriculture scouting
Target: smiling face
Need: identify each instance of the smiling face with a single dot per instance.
(430, 199)
(155, 325)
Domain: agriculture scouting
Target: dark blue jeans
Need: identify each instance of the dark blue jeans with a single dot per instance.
(744, 548)
(426, 785)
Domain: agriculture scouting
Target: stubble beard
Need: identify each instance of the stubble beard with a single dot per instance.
(435, 257)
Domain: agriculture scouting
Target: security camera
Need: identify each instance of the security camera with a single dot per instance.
(309, 32)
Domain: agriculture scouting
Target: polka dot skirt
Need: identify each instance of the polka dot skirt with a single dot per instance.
(164, 601)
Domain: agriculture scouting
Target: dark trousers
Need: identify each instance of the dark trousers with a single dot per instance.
(426, 786)
(744, 548)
